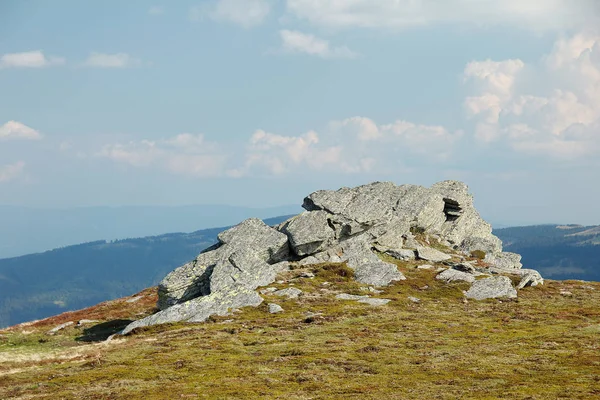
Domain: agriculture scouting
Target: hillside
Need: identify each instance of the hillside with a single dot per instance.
(542, 346)
(40, 285)
(557, 251)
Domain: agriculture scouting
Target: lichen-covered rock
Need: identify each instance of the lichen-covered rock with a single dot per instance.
(452, 275)
(290, 293)
(492, 288)
(350, 225)
(432, 255)
(309, 232)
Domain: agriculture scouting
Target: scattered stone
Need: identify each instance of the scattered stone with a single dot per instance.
(425, 266)
(491, 288)
(504, 260)
(401, 254)
(268, 290)
(566, 293)
(59, 327)
(424, 287)
(346, 296)
(134, 299)
(307, 274)
(374, 302)
(275, 308)
(414, 299)
(290, 293)
(532, 278)
(452, 275)
(86, 322)
(462, 266)
(432, 255)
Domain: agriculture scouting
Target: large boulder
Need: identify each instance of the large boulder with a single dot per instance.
(492, 288)
(350, 225)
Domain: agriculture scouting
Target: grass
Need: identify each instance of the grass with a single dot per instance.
(545, 345)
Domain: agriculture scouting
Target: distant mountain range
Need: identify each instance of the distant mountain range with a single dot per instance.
(69, 278)
(556, 251)
(40, 285)
(26, 230)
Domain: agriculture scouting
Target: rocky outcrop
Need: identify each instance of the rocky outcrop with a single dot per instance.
(350, 225)
(492, 288)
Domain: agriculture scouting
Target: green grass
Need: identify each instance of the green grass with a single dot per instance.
(545, 345)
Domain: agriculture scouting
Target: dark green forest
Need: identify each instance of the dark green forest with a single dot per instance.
(40, 285)
(560, 253)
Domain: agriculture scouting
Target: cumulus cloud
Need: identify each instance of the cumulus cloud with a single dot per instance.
(117, 60)
(551, 107)
(11, 171)
(400, 14)
(18, 130)
(184, 154)
(298, 42)
(245, 13)
(435, 141)
(29, 59)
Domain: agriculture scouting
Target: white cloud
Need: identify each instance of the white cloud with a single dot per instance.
(400, 14)
(117, 60)
(245, 13)
(184, 154)
(11, 171)
(298, 42)
(29, 59)
(156, 10)
(435, 141)
(18, 130)
(551, 107)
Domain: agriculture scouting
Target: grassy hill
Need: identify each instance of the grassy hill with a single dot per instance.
(557, 251)
(542, 346)
(39, 285)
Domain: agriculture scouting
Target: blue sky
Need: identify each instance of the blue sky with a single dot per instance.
(260, 102)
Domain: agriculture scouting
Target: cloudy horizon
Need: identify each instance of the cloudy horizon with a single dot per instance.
(259, 102)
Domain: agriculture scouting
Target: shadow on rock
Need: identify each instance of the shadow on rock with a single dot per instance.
(101, 332)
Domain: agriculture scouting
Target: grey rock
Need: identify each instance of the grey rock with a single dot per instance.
(374, 302)
(402, 254)
(290, 293)
(368, 268)
(86, 322)
(414, 299)
(452, 275)
(59, 327)
(201, 308)
(432, 255)
(309, 232)
(491, 288)
(530, 278)
(307, 274)
(275, 308)
(268, 290)
(346, 296)
(134, 299)
(425, 266)
(504, 260)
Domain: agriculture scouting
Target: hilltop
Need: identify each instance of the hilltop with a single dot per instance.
(379, 291)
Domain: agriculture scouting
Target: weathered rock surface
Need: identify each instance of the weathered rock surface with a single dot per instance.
(290, 293)
(452, 275)
(432, 255)
(275, 308)
(491, 288)
(350, 225)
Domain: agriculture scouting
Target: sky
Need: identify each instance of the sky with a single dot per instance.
(260, 102)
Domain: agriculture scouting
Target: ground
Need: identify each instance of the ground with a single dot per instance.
(544, 345)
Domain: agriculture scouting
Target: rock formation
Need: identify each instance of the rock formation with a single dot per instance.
(350, 225)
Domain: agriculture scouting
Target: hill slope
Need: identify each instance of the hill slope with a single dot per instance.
(557, 251)
(39, 285)
(541, 346)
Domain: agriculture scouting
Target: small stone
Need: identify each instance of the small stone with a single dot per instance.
(402, 254)
(134, 299)
(414, 299)
(425, 266)
(307, 274)
(566, 293)
(433, 255)
(452, 275)
(491, 288)
(60, 327)
(86, 322)
(290, 293)
(268, 290)
(275, 308)
(346, 296)
(374, 302)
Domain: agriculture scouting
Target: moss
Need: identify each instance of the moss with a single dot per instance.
(478, 254)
